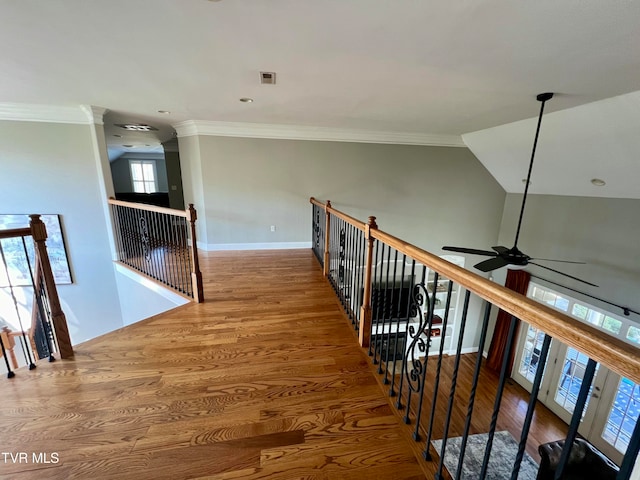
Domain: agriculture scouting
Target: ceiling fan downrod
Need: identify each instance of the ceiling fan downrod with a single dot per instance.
(542, 97)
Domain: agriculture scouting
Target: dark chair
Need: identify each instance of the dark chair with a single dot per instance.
(585, 461)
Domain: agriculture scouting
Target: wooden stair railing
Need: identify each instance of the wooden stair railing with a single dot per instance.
(389, 289)
(45, 292)
(159, 243)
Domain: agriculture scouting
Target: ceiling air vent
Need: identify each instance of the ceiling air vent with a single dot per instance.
(268, 78)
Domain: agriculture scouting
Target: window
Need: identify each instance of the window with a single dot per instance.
(618, 326)
(143, 176)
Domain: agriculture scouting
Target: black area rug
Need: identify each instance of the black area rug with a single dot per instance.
(503, 454)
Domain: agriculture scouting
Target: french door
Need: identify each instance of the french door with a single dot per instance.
(613, 403)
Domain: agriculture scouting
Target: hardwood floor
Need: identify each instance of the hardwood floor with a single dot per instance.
(262, 381)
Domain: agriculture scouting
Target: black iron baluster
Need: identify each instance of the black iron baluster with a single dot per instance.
(383, 305)
(431, 304)
(393, 299)
(474, 386)
(185, 239)
(25, 350)
(167, 251)
(454, 382)
(504, 373)
(333, 246)
(38, 299)
(414, 376)
(533, 398)
(353, 292)
(374, 300)
(348, 283)
(357, 281)
(581, 401)
(392, 392)
(172, 250)
(436, 383)
(399, 405)
(363, 263)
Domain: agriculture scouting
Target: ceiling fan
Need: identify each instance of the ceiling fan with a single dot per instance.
(502, 256)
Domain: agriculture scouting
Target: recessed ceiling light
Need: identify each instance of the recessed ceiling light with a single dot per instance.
(119, 136)
(246, 100)
(128, 146)
(136, 127)
(598, 182)
(166, 112)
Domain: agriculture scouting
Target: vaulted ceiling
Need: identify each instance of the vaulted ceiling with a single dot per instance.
(430, 69)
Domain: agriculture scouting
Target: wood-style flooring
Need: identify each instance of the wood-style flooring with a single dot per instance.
(264, 380)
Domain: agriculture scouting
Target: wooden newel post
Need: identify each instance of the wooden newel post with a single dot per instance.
(196, 274)
(327, 232)
(364, 333)
(39, 234)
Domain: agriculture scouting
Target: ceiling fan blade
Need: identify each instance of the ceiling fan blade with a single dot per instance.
(560, 261)
(565, 274)
(474, 251)
(491, 264)
(500, 249)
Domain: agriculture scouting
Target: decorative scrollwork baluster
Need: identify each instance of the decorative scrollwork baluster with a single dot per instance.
(421, 309)
(144, 238)
(341, 255)
(316, 228)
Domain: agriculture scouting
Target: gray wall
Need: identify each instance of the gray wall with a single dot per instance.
(603, 232)
(174, 178)
(429, 196)
(122, 174)
(51, 168)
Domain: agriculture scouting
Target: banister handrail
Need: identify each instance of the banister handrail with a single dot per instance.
(617, 355)
(15, 232)
(149, 208)
(347, 218)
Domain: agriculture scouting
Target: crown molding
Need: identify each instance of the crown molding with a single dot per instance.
(296, 132)
(24, 112)
(94, 114)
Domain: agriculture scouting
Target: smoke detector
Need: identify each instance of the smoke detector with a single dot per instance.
(268, 78)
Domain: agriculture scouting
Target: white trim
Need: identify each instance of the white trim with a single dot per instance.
(22, 112)
(94, 114)
(153, 286)
(216, 247)
(466, 350)
(299, 132)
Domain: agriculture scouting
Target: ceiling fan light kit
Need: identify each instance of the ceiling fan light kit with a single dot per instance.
(502, 256)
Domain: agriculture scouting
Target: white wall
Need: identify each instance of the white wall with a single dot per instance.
(141, 298)
(51, 168)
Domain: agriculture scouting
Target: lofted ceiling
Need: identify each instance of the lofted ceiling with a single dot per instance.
(425, 67)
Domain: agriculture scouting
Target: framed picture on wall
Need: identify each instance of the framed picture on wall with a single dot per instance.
(18, 256)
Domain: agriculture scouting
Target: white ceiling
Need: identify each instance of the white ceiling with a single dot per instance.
(413, 67)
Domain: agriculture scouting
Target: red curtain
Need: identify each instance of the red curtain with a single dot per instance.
(518, 281)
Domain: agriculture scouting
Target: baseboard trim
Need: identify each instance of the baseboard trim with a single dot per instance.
(216, 247)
